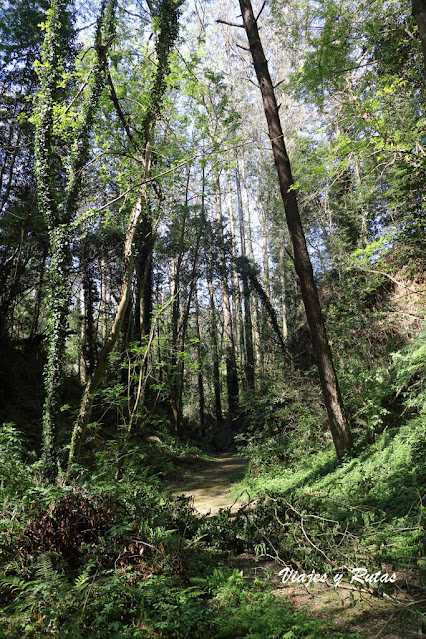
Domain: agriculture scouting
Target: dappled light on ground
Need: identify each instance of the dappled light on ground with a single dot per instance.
(209, 484)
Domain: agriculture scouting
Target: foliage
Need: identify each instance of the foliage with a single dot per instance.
(281, 422)
(351, 498)
(211, 294)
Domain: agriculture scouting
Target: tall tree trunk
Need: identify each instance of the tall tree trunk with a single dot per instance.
(176, 359)
(254, 319)
(237, 313)
(201, 397)
(249, 368)
(283, 295)
(329, 384)
(216, 373)
(231, 364)
(168, 22)
(175, 269)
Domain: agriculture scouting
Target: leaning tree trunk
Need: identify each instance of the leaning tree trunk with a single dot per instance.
(168, 23)
(329, 384)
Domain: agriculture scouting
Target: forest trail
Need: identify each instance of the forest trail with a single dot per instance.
(209, 483)
(347, 609)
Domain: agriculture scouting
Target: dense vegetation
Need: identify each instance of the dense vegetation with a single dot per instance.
(212, 225)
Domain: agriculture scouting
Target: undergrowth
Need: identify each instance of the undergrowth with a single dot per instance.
(115, 557)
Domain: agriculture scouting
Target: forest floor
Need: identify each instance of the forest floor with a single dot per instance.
(208, 482)
(212, 483)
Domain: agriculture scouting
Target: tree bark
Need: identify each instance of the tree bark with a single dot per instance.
(201, 398)
(168, 21)
(100, 368)
(329, 384)
(216, 373)
(231, 363)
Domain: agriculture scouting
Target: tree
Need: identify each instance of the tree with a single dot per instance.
(57, 204)
(167, 18)
(338, 425)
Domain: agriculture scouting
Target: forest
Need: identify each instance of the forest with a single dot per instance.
(212, 319)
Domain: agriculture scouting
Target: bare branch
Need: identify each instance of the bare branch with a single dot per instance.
(230, 24)
(261, 10)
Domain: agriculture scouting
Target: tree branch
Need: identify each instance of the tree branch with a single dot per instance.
(230, 24)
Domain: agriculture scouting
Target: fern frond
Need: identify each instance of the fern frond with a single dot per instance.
(16, 585)
(81, 581)
(45, 570)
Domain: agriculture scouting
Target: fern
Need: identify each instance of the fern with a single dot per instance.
(45, 570)
(16, 585)
(81, 581)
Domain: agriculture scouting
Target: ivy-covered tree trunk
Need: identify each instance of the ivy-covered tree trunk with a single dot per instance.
(58, 208)
(167, 19)
(329, 384)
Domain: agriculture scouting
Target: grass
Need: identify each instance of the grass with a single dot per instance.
(377, 494)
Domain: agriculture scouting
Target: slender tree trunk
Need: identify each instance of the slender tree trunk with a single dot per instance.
(176, 360)
(270, 311)
(88, 350)
(174, 374)
(104, 298)
(143, 304)
(329, 384)
(237, 313)
(100, 368)
(201, 397)
(231, 364)
(283, 295)
(248, 367)
(168, 21)
(248, 331)
(265, 252)
(216, 373)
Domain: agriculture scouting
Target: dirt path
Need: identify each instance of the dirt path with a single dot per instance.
(209, 483)
(348, 610)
